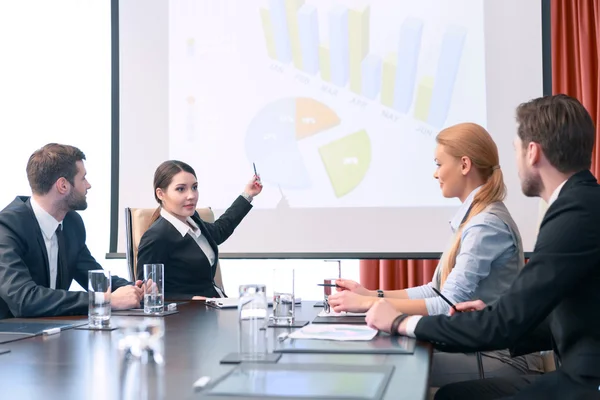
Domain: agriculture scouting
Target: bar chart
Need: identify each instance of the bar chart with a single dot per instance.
(336, 102)
(292, 36)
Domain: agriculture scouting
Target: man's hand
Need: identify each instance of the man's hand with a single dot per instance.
(474, 305)
(350, 301)
(347, 284)
(127, 297)
(381, 316)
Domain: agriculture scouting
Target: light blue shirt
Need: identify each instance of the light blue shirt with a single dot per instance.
(486, 265)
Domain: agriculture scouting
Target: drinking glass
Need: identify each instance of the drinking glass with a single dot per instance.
(283, 296)
(99, 290)
(154, 287)
(252, 319)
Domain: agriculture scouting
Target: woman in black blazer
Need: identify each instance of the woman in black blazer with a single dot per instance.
(180, 240)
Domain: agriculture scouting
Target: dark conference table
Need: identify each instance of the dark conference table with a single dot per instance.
(83, 364)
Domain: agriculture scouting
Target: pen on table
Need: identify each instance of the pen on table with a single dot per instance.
(211, 304)
(282, 336)
(445, 299)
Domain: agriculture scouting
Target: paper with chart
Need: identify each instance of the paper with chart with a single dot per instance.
(336, 332)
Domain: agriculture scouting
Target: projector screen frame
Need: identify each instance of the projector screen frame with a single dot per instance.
(115, 137)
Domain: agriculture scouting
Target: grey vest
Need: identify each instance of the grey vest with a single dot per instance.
(499, 280)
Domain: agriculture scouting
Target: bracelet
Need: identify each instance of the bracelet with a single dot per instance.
(396, 323)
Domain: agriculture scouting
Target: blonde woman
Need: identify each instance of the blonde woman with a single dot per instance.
(484, 256)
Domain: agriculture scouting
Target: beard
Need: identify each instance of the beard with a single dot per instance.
(531, 185)
(76, 201)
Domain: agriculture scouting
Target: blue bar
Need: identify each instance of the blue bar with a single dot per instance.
(371, 76)
(280, 30)
(408, 57)
(447, 69)
(308, 25)
(338, 45)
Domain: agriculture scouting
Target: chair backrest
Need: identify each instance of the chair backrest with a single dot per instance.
(137, 220)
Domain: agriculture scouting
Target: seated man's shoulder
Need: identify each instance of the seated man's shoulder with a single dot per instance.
(15, 213)
(75, 219)
(579, 198)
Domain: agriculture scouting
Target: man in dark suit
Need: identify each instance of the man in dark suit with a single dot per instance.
(42, 242)
(554, 303)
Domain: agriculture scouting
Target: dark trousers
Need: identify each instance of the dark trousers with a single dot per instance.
(553, 385)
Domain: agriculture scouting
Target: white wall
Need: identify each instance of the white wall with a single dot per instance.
(55, 87)
(55, 80)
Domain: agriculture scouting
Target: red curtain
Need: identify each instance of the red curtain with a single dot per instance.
(575, 36)
(395, 274)
(575, 56)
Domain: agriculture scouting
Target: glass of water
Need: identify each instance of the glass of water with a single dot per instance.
(99, 289)
(252, 318)
(283, 296)
(154, 287)
(142, 340)
(327, 291)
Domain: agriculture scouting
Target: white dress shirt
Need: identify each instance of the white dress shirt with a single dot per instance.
(193, 230)
(555, 194)
(48, 227)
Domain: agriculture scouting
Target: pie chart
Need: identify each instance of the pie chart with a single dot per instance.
(272, 143)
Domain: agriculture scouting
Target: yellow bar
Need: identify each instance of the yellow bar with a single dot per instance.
(324, 62)
(388, 79)
(291, 9)
(358, 36)
(424, 92)
(268, 31)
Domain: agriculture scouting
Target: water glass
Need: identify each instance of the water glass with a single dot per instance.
(327, 291)
(154, 288)
(283, 296)
(252, 319)
(142, 340)
(99, 290)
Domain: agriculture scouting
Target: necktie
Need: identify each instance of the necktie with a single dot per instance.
(61, 267)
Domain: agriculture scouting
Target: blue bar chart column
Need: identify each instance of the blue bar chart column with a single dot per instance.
(338, 45)
(371, 76)
(408, 57)
(280, 30)
(447, 69)
(308, 25)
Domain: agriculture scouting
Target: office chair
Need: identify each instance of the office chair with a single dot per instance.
(137, 220)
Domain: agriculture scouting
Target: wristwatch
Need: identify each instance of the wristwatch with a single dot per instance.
(396, 323)
(379, 293)
(247, 197)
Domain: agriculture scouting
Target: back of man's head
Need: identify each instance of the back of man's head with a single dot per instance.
(562, 127)
(51, 162)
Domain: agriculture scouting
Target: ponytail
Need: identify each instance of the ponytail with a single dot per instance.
(493, 190)
(154, 217)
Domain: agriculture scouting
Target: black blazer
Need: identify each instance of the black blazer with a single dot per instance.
(554, 303)
(24, 267)
(187, 270)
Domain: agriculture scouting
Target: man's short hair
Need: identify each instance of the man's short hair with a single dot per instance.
(51, 162)
(564, 129)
